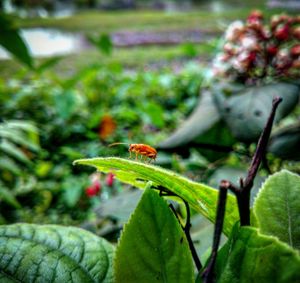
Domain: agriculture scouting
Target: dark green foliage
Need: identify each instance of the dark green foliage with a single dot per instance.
(11, 40)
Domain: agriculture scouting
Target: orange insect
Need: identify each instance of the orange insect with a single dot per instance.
(140, 149)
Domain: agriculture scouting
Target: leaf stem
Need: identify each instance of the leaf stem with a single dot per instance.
(165, 192)
(207, 274)
(242, 193)
(186, 230)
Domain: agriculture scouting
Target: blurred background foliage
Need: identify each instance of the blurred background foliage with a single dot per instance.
(129, 79)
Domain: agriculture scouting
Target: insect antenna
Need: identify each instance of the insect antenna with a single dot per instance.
(117, 143)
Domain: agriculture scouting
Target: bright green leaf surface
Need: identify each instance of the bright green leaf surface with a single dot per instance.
(52, 253)
(153, 247)
(201, 197)
(251, 257)
(277, 207)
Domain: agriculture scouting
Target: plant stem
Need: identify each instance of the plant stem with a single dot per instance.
(188, 236)
(165, 192)
(208, 273)
(243, 194)
(261, 147)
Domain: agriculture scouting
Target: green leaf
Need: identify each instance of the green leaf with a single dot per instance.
(11, 40)
(18, 137)
(103, 43)
(154, 113)
(12, 150)
(7, 163)
(251, 257)
(202, 119)
(8, 197)
(246, 113)
(52, 253)
(153, 247)
(201, 197)
(277, 207)
(48, 64)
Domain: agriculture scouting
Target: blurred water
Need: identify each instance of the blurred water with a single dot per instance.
(48, 42)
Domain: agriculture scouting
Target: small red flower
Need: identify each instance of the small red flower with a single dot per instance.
(295, 50)
(93, 190)
(282, 32)
(110, 179)
(272, 50)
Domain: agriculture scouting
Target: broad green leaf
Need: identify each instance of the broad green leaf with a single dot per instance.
(52, 253)
(251, 257)
(277, 207)
(153, 247)
(11, 40)
(246, 113)
(203, 118)
(201, 197)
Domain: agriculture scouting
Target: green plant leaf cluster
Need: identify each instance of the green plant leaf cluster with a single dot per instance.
(249, 256)
(50, 253)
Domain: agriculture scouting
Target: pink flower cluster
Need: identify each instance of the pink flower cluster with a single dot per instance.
(95, 188)
(258, 50)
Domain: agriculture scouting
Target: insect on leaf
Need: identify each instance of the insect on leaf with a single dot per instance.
(200, 196)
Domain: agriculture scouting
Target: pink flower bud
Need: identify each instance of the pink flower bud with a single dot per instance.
(272, 50)
(255, 17)
(110, 179)
(93, 190)
(282, 32)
